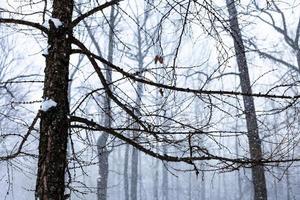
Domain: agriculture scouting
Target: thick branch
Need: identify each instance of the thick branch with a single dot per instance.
(23, 22)
(187, 159)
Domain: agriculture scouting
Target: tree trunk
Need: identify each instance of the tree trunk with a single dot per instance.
(224, 187)
(126, 182)
(239, 178)
(141, 195)
(218, 196)
(103, 167)
(165, 180)
(288, 185)
(190, 186)
(54, 122)
(134, 174)
(139, 94)
(102, 140)
(258, 175)
(202, 189)
(155, 181)
(298, 59)
(178, 189)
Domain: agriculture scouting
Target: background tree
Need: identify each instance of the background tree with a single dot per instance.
(258, 175)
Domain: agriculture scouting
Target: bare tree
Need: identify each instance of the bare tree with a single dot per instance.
(54, 122)
(258, 174)
(102, 140)
(290, 37)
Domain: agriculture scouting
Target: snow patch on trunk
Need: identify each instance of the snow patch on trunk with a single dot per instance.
(47, 104)
(57, 23)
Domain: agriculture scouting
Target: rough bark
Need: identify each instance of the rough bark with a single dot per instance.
(258, 175)
(54, 122)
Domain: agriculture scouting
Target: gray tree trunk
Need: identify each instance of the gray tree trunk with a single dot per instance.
(126, 181)
(298, 56)
(54, 123)
(102, 140)
(202, 189)
(134, 174)
(190, 186)
(239, 178)
(224, 187)
(178, 189)
(165, 180)
(141, 195)
(258, 174)
(155, 181)
(139, 93)
(288, 185)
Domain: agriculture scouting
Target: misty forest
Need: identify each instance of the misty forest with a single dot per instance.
(149, 99)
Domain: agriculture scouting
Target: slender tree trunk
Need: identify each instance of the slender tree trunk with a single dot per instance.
(103, 167)
(288, 185)
(54, 122)
(119, 169)
(202, 189)
(258, 174)
(126, 182)
(102, 140)
(165, 180)
(190, 186)
(155, 184)
(141, 195)
(239, 180)
(178, 189)
(139, 94)
(298, 59)
(134, 174)
(224, 187)
(219, 187)
(275, 189)
(287, 174)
